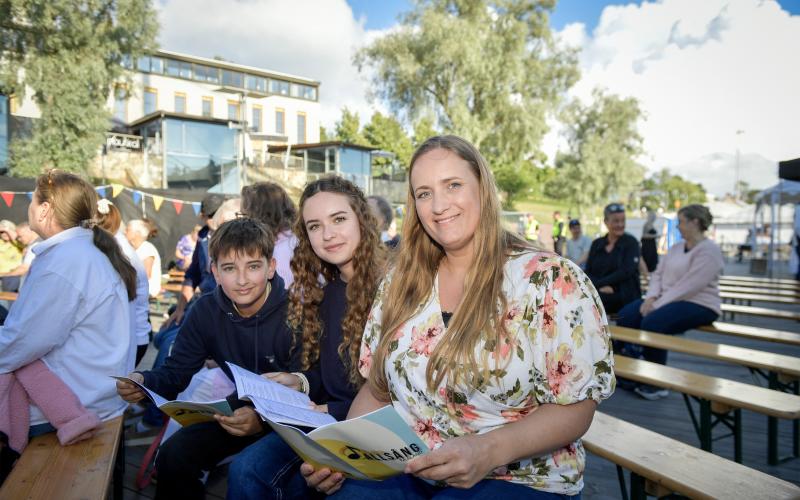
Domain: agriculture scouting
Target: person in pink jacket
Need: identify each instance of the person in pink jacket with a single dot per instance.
(684, 289)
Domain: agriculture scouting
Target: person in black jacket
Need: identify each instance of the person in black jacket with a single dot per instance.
(613, 264)
(242, 321)
(339, 239)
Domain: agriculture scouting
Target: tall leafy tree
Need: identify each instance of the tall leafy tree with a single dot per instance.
(604, 144)
(488, 70)
(386, 133)
(667, 190)
(69, 53)
(423, 130)
(348, 129)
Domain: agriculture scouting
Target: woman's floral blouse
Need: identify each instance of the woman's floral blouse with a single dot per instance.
(558, 351)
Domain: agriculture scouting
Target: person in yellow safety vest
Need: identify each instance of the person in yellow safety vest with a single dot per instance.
(532, 229)
(558, 233)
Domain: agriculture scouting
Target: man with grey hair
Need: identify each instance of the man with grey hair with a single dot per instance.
(382, 211)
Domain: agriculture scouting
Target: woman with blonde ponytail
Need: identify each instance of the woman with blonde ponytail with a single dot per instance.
(73, 312)
(495, 353)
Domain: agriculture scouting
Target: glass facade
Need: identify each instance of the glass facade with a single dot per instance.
(150, 101)
(198, 154)
(354, 165)
(3, 132)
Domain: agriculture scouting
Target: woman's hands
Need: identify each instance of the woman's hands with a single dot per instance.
(647, 306)
(460, 462)
(289, 380)
(243, 422)
(323, 480)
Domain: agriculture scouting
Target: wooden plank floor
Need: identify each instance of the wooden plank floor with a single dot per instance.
(667, 416)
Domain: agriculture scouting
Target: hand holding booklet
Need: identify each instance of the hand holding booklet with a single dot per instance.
(184, 412)
(373, 446)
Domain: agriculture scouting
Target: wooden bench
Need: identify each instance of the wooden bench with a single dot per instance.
(660, 465)
(80, 471)
(753, 332)
(760, 281)
(720, 402)
(760, 291)
(761, 311)
(758, 297)
(8, 296)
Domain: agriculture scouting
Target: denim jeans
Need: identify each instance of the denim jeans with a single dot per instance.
(267, 469)
(407, 487)
(672, 318)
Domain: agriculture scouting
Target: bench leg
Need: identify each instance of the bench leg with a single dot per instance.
(622, 486)
(637, 487)
(737, 435)
(705, 425)
(119, 468)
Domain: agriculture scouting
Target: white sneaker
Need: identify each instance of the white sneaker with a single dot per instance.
(651, 393)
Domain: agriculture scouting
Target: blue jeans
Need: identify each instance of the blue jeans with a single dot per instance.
(407, 487)
(672, 318)
(267, 469)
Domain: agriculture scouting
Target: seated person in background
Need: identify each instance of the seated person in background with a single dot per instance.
(382, 211)
(10, 255)
(269, 203)
(649, 244)
(73, 314)
(578, 245)
(137, 232)
(495, 354)
(684, 289)
(613, 262)
(330, 318)
(110, 219)
(185, 248)
(243, 321)
(26, 238)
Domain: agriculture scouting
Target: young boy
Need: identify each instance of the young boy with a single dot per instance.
(242, 321)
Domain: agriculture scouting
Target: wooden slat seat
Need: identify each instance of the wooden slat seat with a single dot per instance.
(753, 332)
(760, 291)
(751, 358)
(759, 297)
(8, 295)
(756, 279)
(676, 466)
(761, 311)
(717, 397)
(83, 470)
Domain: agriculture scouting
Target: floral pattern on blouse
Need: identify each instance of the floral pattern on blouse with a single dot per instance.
(557, 351)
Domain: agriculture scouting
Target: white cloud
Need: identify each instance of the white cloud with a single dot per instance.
(701, 71)
(311, 38)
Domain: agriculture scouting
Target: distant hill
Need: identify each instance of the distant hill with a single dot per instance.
(717, 171)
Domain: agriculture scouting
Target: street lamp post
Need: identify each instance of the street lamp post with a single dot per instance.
(737, 186)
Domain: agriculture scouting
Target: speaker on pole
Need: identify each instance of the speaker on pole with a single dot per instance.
(789, 169)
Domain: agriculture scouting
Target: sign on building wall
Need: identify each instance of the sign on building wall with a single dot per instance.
(123, 142)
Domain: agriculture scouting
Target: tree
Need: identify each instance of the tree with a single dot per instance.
(386, 133)
(488, 70)
(663, 189)
(423, 130)
(604, 143)
(323, 134)
(348, 129)
(69, 53)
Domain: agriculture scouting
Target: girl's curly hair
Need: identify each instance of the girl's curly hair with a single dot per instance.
(305, 294)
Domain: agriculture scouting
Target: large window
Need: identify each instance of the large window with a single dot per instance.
(232, 78)
(256, 83)
(179, 68)
(198, 153)
(180, 102)
(150, 64)
(206, 73)
(301, 128)
(208, 106)
(256, 125)
(279, 87)
(233, 110)
(120, 104)
(280, 121)
(150, 100)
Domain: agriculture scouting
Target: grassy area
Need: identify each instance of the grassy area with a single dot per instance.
(543, 210)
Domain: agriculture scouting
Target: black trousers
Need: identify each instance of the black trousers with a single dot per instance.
(190, 451)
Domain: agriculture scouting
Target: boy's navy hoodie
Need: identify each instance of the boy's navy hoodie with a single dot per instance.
(212, 328)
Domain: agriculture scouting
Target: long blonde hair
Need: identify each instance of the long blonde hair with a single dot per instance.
(479, 315)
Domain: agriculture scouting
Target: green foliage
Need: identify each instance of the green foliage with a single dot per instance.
(69, 53)
(423, 130)
(665, 190)
(386, 133)
(488, 70)
(323, 134)
(348, 129)
(603, 146)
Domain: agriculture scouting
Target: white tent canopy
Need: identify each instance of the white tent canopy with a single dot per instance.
(784, 192)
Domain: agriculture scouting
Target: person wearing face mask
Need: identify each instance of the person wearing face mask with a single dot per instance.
(613, 263)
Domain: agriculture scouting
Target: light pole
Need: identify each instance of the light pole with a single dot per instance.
(736, 187)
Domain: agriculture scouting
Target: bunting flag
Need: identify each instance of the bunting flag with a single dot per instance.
(137, 197)
(30, 195)
(8, 198)
(101, 190)
(178, 204)
(116, 189)
(196, 207)
(157, 201)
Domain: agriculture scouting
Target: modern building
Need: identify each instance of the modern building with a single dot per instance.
(189, 121)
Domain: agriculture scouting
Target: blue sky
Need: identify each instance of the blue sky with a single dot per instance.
(381, 14)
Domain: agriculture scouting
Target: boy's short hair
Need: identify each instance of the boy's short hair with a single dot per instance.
(242, 235)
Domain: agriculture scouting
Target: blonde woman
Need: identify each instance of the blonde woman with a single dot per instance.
(496, 354)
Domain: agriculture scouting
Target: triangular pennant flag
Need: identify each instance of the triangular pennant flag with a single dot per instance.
(116, 189)
(102, 190)
(157, 201)
(196, 207)
(30, 195)
(137, 197)
(7, 197)
(178, 204)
